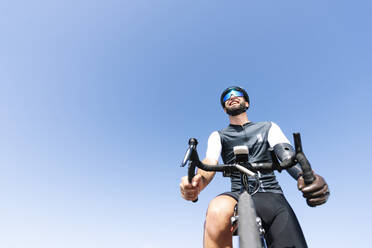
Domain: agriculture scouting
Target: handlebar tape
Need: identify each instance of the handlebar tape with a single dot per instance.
(307, 172)
(194, 156)
(191, 174)
(191, 171)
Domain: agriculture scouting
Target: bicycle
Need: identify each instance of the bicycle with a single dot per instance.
(250, 231)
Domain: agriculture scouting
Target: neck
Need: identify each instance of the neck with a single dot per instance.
(239, 119)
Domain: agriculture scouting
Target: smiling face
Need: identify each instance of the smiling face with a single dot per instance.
(234, 100)
(236, 105)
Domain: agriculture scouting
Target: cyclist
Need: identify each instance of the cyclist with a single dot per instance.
(278, 219)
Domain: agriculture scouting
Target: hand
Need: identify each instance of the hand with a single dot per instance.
(190, 191)
(316, 193)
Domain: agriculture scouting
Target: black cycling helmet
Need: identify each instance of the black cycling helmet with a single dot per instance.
(246, 97)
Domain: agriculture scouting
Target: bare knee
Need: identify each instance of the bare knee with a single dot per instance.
(220, 210)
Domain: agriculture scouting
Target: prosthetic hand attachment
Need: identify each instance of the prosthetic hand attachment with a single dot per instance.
(316, 193)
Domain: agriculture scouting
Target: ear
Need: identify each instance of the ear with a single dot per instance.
(247, 104)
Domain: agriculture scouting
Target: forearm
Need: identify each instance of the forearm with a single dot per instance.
(295, 171)
(207, 176)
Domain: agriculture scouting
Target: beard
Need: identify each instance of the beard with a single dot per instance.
(237, 110)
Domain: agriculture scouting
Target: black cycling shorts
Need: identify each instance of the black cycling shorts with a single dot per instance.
(278, 219)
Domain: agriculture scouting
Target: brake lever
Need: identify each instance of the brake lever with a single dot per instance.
(187, 157)
(192, 145)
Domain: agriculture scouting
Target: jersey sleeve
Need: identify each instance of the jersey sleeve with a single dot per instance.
(276, 136)
(214, 146)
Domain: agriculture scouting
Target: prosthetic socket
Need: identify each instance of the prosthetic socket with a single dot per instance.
(285, 152)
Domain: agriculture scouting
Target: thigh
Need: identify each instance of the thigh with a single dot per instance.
(279, 220)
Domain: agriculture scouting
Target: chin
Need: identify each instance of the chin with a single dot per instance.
(235, 107)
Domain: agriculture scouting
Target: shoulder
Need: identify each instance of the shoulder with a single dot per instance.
(214, 134)
(269, 124)
(214, 137)
(225, 129)
(274, 126)
(276, 135)
(263, 124)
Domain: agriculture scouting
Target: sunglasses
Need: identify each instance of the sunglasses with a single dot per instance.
(232, 93)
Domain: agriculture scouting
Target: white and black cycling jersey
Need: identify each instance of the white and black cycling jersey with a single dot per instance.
(259, 137)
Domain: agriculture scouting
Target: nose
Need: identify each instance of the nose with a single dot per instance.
(232, 97)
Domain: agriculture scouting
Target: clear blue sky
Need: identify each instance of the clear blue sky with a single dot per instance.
(98, 100)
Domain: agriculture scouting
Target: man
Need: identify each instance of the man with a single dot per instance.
(278, 218)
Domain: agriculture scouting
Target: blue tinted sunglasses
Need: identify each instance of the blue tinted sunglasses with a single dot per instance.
(232, 93)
